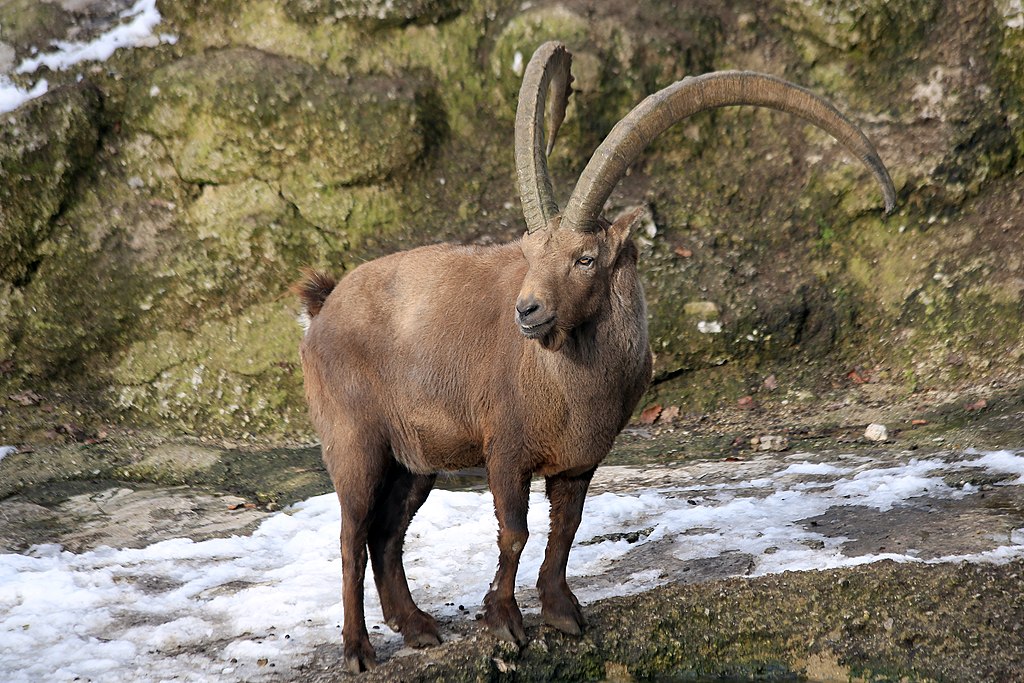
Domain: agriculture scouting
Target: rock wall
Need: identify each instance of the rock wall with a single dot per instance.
(154, 207)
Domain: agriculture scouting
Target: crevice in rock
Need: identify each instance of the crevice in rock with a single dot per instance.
(670, 375)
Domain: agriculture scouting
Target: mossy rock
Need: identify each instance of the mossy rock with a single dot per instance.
(241, 113)
(725, 283)
(378, 13)
(244, 240)
(345, 215)
(753, 319)
(1010, 63)
(860, 30)
(104, 265)
(230, 376)
(29, 24)
(43, 146)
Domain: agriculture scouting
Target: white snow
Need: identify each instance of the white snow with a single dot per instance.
(517, 63)
(1004, 462)
(7, 450)
(137, 31)
(214, 610)
(709, 327)
(12, 96)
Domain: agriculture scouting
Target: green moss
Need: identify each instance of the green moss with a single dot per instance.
(867, 33)
(244, 240)
(31, 24)
(44, 145)
(241, 113)
(348, 216)
(101, 267)
(233, 375)
(379, 13)
(1010, 65)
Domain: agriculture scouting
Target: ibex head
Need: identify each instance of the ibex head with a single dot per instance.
(569, 275)
(572, 253)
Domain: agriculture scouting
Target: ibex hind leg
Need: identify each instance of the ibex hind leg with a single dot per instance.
(356, 467)
(400, 496)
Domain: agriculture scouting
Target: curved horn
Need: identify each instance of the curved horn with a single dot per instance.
(690, 96)
(548, 67)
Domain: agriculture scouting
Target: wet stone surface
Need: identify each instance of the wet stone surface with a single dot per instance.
(927, 528)
(119, 516)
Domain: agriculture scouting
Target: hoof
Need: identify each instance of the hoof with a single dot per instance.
(505, 620)
(562, 611)
(360, 657)
(566, 623)
(420, 630)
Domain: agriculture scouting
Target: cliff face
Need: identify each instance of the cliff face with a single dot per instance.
(155, 206)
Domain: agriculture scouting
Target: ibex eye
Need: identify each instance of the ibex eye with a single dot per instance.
(585, 261)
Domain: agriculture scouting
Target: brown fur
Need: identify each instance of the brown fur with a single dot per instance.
(423, 361)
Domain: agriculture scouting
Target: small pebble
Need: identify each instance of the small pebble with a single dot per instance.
(876, 432)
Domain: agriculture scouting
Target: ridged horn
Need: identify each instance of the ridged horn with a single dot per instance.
(548, 69)
(690, 96)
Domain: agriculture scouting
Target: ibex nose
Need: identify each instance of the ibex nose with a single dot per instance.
(526, 307)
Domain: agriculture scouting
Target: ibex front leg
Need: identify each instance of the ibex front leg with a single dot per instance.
(558, 605)
(511, 490)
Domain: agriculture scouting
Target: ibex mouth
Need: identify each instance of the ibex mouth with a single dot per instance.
(538, 330)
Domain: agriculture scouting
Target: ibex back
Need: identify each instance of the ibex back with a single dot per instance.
(526, 358)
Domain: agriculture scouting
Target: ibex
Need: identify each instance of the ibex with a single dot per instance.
(527, 358)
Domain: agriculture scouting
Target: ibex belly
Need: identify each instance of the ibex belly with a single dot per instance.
(431, 441)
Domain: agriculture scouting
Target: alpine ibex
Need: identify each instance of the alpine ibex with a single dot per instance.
(527, 358)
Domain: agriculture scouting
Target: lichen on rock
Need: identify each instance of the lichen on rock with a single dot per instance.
(241, 113)
(31, 25)
(375, 12)
(874, 30)
(43, 146)
(230, 376)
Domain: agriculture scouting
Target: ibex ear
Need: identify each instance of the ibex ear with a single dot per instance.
(624, 225)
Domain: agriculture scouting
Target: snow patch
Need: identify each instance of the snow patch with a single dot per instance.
(137, 31)
(517, 63)
(1004, 462)
(709, 327)
(195, 611)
